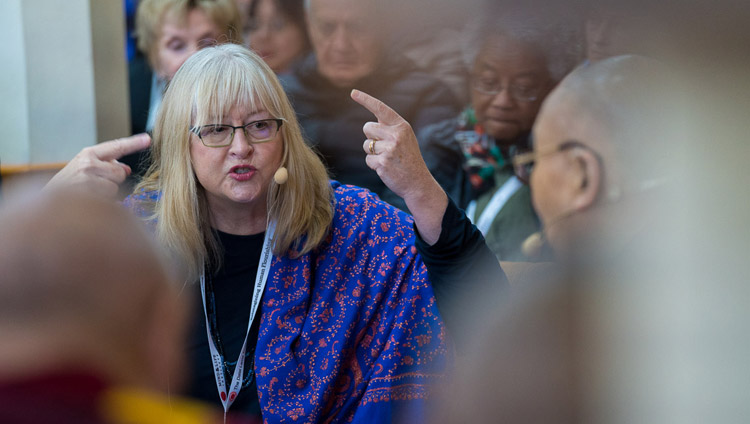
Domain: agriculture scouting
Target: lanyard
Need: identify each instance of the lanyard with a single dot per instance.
(497, 202)
(218, 363)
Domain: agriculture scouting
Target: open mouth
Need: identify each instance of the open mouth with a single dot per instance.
(242, 172)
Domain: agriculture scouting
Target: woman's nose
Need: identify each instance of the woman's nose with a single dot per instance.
(241, 144)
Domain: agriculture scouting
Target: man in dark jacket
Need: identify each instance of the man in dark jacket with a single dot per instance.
(350, 52)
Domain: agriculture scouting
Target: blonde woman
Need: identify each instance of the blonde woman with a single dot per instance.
(346, 328)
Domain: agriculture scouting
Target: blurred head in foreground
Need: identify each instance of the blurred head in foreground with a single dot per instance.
(83, 289)
(580, 342)
(603, 143)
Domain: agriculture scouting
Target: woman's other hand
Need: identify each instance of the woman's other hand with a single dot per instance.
(96, 168)
(393, 152)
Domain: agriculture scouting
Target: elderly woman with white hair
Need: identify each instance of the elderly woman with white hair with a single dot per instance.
(517, 59)
(342, 324)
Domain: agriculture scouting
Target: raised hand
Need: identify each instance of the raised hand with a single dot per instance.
(393, 152)
(96, 168)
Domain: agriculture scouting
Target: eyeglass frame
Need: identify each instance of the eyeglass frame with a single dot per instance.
(512, 90)
(521, 160)
(279, 122)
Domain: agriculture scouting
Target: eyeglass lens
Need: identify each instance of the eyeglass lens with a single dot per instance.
(256, 132)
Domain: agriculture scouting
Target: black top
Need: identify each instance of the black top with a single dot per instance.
(232, 290)
(466, 276)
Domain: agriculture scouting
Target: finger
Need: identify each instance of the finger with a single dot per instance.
(377, 131)
(370, 146)
(373, 162)
(116, 149)
(382, 111)
(112, 171)
(124, 167)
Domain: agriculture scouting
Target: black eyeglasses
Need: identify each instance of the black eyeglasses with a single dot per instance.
(524, 161)
(219, 135)
(493, 87)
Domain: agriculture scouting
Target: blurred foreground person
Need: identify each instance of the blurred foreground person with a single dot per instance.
(91, 324)
(601, 173)
(603, 144)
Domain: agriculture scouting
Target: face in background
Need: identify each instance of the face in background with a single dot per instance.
(179, 39)
(243, 6)
(520, 74)
(238, 175)
(275, 37)
(345, 38)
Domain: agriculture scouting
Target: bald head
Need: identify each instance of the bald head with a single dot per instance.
(606, 130)
(631, 102)
(82, 283)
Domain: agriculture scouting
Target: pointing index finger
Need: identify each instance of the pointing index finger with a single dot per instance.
(382, 111)
(115, 149)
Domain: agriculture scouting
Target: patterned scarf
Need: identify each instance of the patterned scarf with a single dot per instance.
(482, 156)
(349, 333)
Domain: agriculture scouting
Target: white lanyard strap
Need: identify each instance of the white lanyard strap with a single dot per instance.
(499, 199)
(216, 358)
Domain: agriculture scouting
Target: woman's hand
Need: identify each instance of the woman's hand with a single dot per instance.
(393, 152)
(96, 168)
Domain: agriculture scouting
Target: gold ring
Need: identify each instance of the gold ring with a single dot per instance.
(372, 146)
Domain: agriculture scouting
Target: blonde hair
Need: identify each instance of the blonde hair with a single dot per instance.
(206, 87)
(150, 15)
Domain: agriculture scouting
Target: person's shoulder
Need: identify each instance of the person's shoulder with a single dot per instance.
(346, 195)
(408, 77)
(362, 219)
(418, 96)
(440, 133)
(301, 75)
(353, 201)
(139, 69)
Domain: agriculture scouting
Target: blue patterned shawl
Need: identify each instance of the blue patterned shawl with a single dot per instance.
(350, 332)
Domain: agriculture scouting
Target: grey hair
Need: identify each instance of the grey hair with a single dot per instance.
(558, 36)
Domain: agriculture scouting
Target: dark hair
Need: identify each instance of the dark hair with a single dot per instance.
(293, 10)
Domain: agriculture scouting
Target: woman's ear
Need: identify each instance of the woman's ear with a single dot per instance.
(588, 173)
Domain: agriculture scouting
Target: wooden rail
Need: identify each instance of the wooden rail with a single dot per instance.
(11, 170)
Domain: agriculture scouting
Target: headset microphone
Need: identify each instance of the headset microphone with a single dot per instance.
(281, 176)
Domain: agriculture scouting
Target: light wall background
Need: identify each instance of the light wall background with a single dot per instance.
(64, 78)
